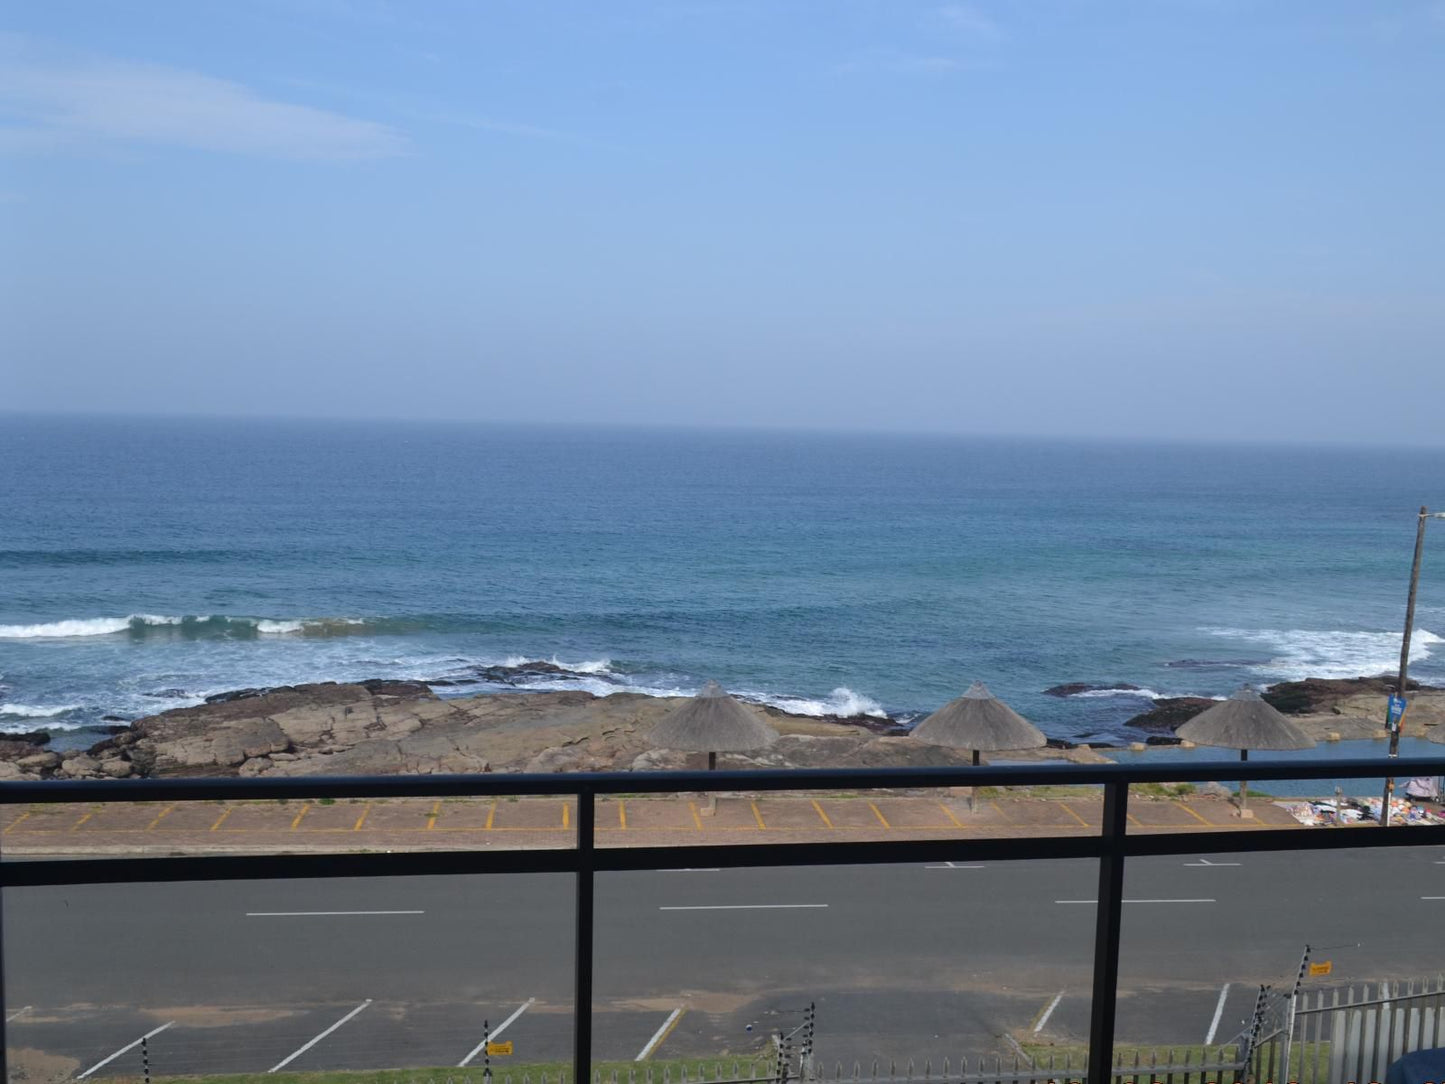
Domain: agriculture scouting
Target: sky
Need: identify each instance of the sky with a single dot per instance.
(1215, 219)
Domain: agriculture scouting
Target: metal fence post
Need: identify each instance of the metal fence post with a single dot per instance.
(1107, 922)
(582, 1006)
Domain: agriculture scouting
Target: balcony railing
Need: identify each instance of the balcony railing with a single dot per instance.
(1112, 846)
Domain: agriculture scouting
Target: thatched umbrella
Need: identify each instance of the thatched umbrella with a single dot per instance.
(712, 722)
(979, 721)
(1245, 721)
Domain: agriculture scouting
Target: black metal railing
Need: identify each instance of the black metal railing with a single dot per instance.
(1112, 846)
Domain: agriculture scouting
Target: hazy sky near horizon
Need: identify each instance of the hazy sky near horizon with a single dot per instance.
(1186, 218)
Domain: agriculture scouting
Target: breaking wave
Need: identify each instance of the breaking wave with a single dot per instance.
(1304, 653)
(1099, 694)
(213, 626)
(843, 702)
(35, 711)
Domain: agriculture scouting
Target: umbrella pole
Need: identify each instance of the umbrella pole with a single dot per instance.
(973, 790)
(711, 810)
(1243, 787)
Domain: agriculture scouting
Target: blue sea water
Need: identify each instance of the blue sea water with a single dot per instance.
(146, 563)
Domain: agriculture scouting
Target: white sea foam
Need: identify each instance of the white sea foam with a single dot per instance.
(1097, 694)
(587, 666)
(1302, 653)
(95, 626)
(841, 701)
(279, 628)
(35, 711)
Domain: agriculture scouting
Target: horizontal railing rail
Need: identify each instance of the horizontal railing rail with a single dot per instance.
(1111, 846)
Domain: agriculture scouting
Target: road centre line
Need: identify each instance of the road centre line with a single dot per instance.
(1218, 1011)
(323, 914)
(746, 907)
(1044, 1019)
(293, 1056)
(492, 1035)
(660, 1034)
(1149, 901)
(128, 1047)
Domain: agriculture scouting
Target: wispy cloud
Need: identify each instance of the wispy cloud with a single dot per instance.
(75, 102)
(971, 22)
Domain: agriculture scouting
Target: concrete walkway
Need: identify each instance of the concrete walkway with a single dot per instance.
(550, 822)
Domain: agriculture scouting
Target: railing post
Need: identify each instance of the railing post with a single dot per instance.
(1107, 923)
(582, 1006)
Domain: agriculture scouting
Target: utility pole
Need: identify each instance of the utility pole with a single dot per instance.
(1405, 659)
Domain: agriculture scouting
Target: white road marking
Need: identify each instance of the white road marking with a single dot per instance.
(323, 914)
(292, 1057)
(1054, 1004)
(692, 869)
(1432, 897)
(744, 907)
(18, 1013)
(954, 865)
(492, 1035)
(1141, 901)
(1218, 1012)
(1207, 862)
(658, 1034)
(106, 1061)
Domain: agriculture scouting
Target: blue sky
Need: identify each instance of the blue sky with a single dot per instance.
(1192, 218)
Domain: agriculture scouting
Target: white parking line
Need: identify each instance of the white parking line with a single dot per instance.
(1054, 1004)
(1218, 1011)
(18, 1013)
(745, 907)
(659, 1034)
(492, 1035)
(292, 1057)
(1432, 897)
(131, 1046)
(1206, 862)
(1145, 901)
(954, 865)
(323, 914)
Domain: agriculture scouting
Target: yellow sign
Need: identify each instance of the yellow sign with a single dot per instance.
(497, 1049)
(1322, 968)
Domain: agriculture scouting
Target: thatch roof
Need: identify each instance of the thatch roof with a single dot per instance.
(979, 720)
(1244, 721)
(712, 722)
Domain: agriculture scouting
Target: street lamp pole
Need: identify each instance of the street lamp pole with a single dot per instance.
(1425, 514)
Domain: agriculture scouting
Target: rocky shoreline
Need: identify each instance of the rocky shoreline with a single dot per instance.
(391, 727)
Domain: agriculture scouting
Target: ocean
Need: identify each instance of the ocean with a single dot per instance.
(146, 563)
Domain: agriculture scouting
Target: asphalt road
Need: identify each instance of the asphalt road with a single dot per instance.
(901, 960)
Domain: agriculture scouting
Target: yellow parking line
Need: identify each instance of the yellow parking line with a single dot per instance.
(431, 818)
(160, 817)
(222, 818)
(1133, 820)
(362, 819)
(622, 815)
(690, 805)
(662, 1038)
(566, 813)
(1071, 812)
(76, 826)
(998, 809)
(881, 818)
(949, 814)
(491, 813)
(22, 816)
(1185, 806)
(296, 822)
(823, 815)
(757, 815)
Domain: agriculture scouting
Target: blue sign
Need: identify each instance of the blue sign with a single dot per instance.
(1394, 711)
